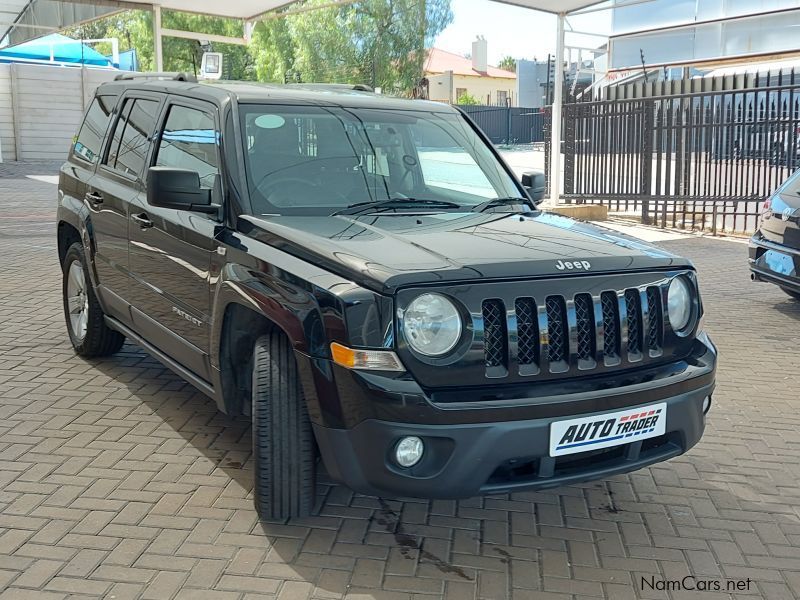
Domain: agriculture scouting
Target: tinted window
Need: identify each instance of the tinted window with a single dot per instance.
(189, 141)
(90, 137)
(132, 136)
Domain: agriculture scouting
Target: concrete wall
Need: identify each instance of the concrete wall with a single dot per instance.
(41, 107)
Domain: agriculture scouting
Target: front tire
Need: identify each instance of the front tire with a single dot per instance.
(792, 293)
(86, 325)
(283, 442)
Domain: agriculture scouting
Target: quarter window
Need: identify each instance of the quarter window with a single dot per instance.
(132, 133)
(90, 137)
(189, 141)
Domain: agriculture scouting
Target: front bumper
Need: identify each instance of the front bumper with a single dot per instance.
(464, 459)
(784, 273)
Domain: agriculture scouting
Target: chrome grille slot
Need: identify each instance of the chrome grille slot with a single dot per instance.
(527, 336)
(633, 310)
(611, 333)
(585, 330)
(495, 337)
(557, 333)
(655, 324)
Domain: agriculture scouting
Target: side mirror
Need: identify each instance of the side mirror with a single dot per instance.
(179, 189)
(534, 184)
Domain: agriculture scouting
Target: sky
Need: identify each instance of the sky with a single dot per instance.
(511, 30)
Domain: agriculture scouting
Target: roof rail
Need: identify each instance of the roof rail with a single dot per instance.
(356, 87)
(182, 76)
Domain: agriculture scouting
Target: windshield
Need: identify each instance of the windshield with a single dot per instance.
(318, 160)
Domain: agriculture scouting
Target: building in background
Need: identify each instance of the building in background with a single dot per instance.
(451, 76)
(672, 36)
(532, 83)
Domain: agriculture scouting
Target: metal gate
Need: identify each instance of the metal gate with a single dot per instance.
(705, 159)
(508, 124)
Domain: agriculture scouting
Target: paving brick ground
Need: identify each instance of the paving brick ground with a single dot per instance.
(119, 480)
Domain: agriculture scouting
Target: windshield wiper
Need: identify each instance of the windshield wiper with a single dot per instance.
(511, 200)
(379, 205)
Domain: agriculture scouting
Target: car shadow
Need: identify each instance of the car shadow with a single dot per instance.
(226, 443)
(223, 440)
(789, 308)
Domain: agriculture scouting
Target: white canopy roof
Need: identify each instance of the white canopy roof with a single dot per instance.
(235, 9)
(554, 6)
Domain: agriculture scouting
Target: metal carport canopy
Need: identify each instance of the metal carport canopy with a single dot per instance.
(561, 8)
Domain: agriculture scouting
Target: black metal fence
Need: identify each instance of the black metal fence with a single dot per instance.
(508, 124)
(701, 159)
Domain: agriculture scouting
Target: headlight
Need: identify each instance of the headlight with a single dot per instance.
(432, 325)
(679, 304)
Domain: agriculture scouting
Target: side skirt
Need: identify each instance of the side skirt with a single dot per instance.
(177, 368)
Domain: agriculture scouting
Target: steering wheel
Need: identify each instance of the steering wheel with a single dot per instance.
(284, 190)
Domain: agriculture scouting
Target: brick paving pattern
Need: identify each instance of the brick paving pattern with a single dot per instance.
(120, 480)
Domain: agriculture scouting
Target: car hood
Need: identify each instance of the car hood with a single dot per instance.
(385, 252)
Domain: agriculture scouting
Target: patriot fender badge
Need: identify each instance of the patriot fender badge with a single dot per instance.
(604, 431)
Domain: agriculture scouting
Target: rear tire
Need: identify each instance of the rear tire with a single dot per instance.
(283, 442)
(86, 325)
(792, 293)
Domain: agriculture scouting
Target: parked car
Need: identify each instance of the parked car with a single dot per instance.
(366, 279)
(774, 249)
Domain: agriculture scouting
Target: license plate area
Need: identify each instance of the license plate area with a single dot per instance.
(778, 262)
(583, 434)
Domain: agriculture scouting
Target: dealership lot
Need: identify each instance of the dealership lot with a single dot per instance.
(118, 479)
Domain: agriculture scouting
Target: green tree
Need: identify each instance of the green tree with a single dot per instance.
(468, 99)
(508, 63)
(378, 42)
(134, 29)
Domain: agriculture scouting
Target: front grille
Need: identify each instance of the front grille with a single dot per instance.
(604, 330)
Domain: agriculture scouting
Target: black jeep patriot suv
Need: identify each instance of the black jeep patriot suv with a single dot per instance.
(365, 278)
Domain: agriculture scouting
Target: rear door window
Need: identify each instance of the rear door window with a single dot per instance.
(132, 134)
(89, 140)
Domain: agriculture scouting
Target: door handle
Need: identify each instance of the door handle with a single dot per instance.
(94, 197)
(142, 220)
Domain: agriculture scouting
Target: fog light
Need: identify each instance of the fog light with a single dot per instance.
(408, 451)
(706, 404)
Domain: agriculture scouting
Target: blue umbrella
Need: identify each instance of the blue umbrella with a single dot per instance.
(65, 50)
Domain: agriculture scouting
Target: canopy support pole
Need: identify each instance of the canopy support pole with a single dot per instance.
(158, 51)
(555, 126)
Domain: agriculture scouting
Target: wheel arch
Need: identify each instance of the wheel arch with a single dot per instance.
(241, 327)
(67, 234)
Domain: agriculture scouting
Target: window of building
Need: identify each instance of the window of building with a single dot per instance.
(460, 92)
(131, 140)
(90, 136)
(502, 98)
